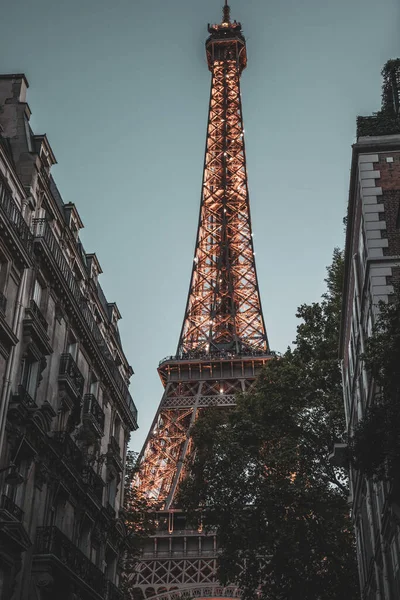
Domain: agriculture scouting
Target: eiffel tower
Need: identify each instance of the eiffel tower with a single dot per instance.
(223, 343)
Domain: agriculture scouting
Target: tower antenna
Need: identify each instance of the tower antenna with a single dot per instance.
(226, 12)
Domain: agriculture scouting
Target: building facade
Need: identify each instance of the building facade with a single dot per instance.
(66, 412)
(372, 264)
(223, 344)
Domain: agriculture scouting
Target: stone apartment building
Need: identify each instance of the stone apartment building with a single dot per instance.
(66, 412)
(372, 263)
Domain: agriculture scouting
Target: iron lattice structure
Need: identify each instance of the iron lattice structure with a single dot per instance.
(223, 343)
(223, 310)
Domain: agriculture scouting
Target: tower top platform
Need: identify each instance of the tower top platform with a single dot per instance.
(223, 35)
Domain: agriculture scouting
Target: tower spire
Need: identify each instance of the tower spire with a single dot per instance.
(226, 12)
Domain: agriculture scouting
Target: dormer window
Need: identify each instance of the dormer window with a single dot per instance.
(114, 314)
(94, 274)
(94, 266)
(74, 229)
(28, 134)
(73, 219)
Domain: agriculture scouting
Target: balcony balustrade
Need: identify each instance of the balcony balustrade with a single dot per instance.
(113, 592)
(3, 303)
(9, 505)
(93, 412)
(70, 452)
(114, 452)
(35, 327)
(70, 374)
(14, 218)
(114, 445)
(23, 397)
(44, 235)
(68, 449)
(114, 537)
(94, 482)
(37, 313)
(110, 510)
(50, 541)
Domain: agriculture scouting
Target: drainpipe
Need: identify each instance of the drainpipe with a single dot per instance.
(10, 361)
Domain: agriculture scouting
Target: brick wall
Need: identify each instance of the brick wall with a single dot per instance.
(389, 181)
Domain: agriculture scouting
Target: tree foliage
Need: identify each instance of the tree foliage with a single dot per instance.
(261, 474)
(375, 445)
(139, 523)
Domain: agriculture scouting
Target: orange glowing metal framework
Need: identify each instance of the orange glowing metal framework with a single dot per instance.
(223, 310)
(223, 343)
(223, 318)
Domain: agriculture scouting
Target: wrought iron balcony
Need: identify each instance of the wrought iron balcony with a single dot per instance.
(94, 482)
(114, 452)
(50, 541)
(37, 313)
(3, 303)
(9, 505)
(93, 412)
(110, 510)
(35, 326)
(24, 398)
(14, 218)
(68, 449)
(114, 445)
(44, 235)
(113, 592)
(114, 537)
(70, 374)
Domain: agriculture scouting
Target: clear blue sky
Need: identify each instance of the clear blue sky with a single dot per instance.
(121, 89)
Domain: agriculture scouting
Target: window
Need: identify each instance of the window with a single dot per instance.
(28, 135)
(94, 386)
(30, 375)
(112, 490)
(110, 564)
(351, 357)
(94, 553)
(37, 293)
(72, 347)
(394, 554)
(117, 428)
(84, 537)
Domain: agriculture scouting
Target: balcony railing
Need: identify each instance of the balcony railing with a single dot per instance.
(68, 449)
(115, 446)
(110, 510)
(69, 370)
(9, 505)
(94, 481)
(93, 409)
(15, 218)
(114, 536)
(23, 397)
(114, 451)
(51, 541)
(38, 314)
(42, 231)
(3, 303)
(200, 355)
(113, 592)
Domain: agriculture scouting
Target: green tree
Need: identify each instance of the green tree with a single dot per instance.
(139, 524)
(261, 474)
(375, 445)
